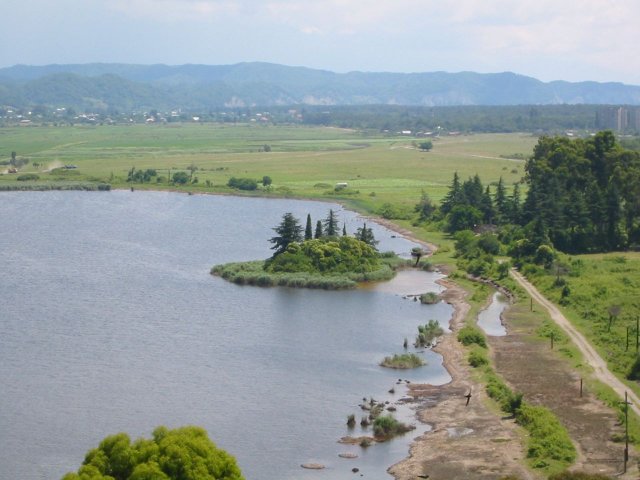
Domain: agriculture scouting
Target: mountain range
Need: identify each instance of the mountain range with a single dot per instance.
(102, 86)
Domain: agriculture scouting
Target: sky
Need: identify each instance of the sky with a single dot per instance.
(573, 40)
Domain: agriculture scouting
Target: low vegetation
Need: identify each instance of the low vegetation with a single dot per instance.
(428, 333)
(471, 335)
(386, 427)
(403, 361)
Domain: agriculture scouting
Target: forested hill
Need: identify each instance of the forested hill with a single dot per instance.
(123, 87)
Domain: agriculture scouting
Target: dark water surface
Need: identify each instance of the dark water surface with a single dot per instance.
(110, 321)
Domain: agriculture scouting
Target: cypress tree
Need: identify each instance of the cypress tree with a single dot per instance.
(452, 197)
(365, 235)
(308, 231)
(319, 233)
(344, 229)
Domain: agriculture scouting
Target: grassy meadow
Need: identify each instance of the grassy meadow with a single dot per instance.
(303, 162)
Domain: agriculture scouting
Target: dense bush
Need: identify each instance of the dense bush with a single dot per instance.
(387, 426)
(478, 357)
(242, 183)
(429, 298)
(469, 335)
(548, 438)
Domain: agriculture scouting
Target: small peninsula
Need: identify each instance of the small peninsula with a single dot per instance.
(324, 259)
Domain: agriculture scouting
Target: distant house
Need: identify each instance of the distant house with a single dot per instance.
(342, 185)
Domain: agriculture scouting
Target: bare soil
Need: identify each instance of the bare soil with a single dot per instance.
(470, 442)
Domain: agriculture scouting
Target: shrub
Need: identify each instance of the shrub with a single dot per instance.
(429, 298)
(387, 426)
(427, 333)
(548, 438)
(403, 361)
(478, 357)
(469, 335)
(242, 183)
(180, 178)
(27, 177)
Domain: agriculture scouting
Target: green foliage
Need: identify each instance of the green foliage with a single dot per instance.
(365, 235)
(478, 356)
(27, 177)
(289, 231)
(387, 426)
(393, 212)
(242, 183)
(425, 146)
(181, 454)
(402, 361)
(463, 217)
(428, 333)
(429, 298)
(548, 438)
(180, 178)
(145, 176)
(425, 207)
(469, 335)
(327, 255)
(330, 224)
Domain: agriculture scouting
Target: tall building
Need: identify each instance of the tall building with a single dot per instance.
(619, 119)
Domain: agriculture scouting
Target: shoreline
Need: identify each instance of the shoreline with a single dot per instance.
(464, 441)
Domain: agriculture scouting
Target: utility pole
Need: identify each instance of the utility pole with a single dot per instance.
(626, 432)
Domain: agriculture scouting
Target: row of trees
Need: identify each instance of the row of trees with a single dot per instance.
(583, 196)
(290, 231)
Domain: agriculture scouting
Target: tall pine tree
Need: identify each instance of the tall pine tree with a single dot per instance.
(308, 230)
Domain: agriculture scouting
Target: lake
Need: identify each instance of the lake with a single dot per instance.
(110, 321)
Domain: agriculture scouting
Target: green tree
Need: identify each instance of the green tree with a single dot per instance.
(500, 201)
(453, 196)
(365, 235)
(266, 181)
(184, 453)
(180, 178)
(425, 207)
(308, 230)
(330, 224)
(463, 217)
(425, 146)
(289, 231)
(344, 229)
(318, 233)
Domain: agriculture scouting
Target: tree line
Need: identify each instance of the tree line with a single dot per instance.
(582, 196)
(290, 230)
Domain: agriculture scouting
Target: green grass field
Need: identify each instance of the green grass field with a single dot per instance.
(303, 161)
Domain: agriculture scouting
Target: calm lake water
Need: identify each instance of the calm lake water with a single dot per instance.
(110, 321)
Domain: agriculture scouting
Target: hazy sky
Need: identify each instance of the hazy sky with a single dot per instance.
(547, 39)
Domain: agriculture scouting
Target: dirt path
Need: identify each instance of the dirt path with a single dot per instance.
(470, 442)
(600, 370)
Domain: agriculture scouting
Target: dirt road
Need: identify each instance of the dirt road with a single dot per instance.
(600, 370)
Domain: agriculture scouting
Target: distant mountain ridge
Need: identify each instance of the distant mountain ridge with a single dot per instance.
(124, 87)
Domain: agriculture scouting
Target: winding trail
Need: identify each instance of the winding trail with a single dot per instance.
(600, 370)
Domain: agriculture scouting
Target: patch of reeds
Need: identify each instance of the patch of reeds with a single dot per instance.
(403, 361)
